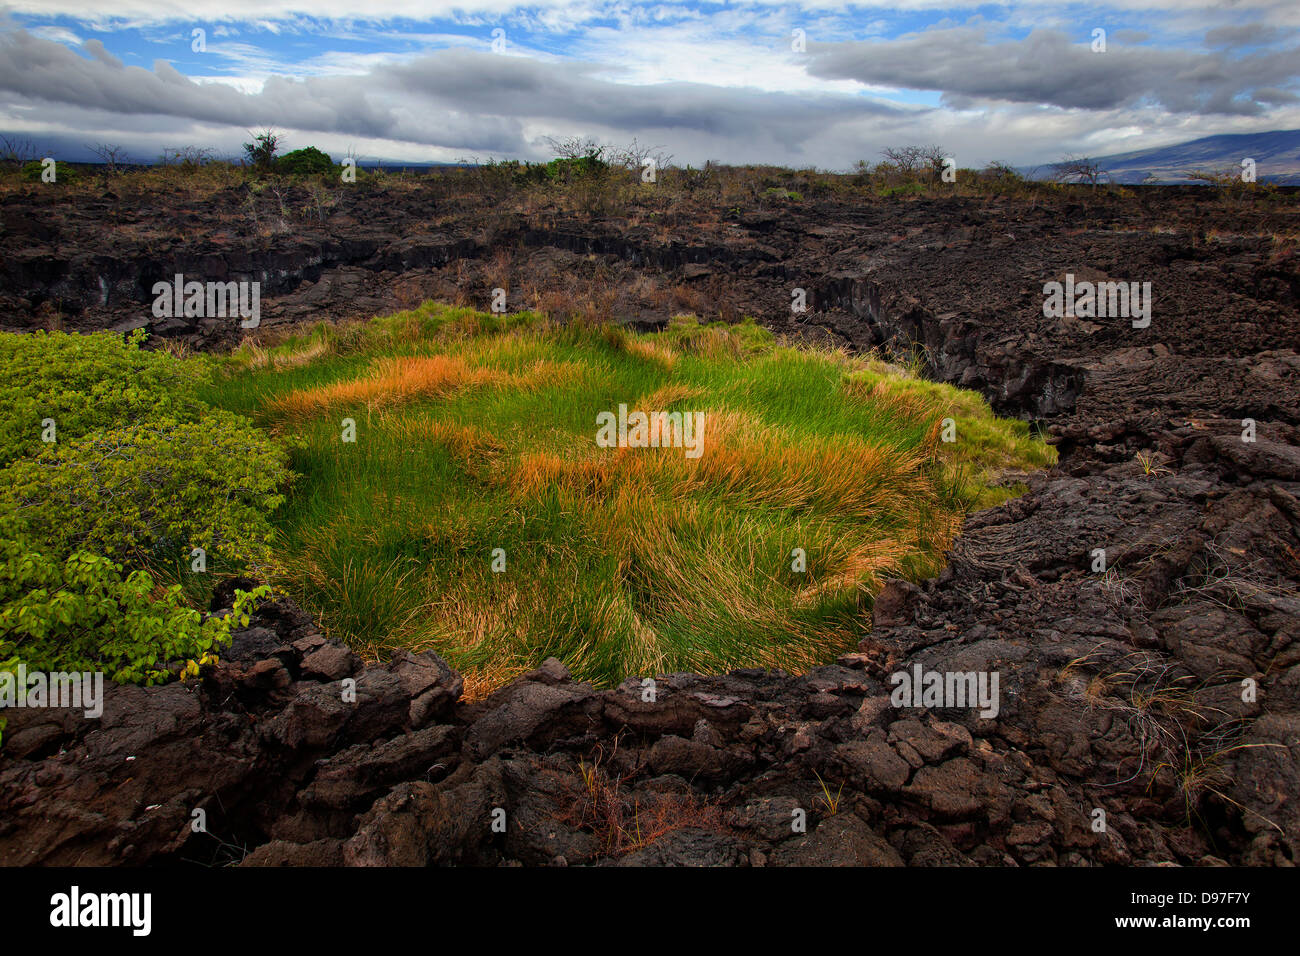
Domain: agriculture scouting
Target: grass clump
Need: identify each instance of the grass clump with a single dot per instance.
(476, 514)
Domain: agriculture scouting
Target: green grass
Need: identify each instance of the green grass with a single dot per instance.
(476, 432)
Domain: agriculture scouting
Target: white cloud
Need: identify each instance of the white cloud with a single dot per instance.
(711, 81)
(566, 14)
(57, 35)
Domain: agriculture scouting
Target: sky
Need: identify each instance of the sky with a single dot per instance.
(817, 84)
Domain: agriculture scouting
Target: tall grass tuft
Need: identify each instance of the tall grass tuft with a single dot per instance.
(476, 515)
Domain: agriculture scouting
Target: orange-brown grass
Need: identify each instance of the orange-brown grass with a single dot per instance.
(865, 568)
(389, 382)
(744, 459)
(643, 502)
(856, 477)
(394, 381)
(665, 396)
(624, 823)
(466, 442)
(662, 355)
(885, 394)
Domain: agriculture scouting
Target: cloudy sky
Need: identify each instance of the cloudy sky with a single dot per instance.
(814, 84)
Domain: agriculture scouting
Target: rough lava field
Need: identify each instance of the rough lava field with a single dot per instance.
(1122, 689)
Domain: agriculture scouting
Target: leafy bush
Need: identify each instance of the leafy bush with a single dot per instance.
(63, 173)
(84, 382)
(139, 470)
(80, 614)
(527, 174)
(566, 169)
(151, 492)
(304, 162)
(563, 170)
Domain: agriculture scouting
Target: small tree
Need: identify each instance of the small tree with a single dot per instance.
(261, 151)
(1000, 170)
(1227, 180)
(694, 180)
(1001, 174)
(911, 162)
(1080, 169)
(17, 152)
(933, 159)
(577, 158)
(634, 156)
(187, 156)
(111, 155)
(575, 147)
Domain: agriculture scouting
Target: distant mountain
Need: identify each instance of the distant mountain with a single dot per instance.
(1276, 155)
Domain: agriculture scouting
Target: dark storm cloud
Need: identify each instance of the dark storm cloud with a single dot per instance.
(455, 98)
(1050, 67)
(96, 49)
(565, 91)
(1268, 94)
(42, 70)
(1248, 34)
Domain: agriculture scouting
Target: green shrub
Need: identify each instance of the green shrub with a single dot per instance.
(523, 174)
(33, 171)
(567, 169)
(151, 492)
(84, 382)
(80, 614)
(304, 162)
(138, 470)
